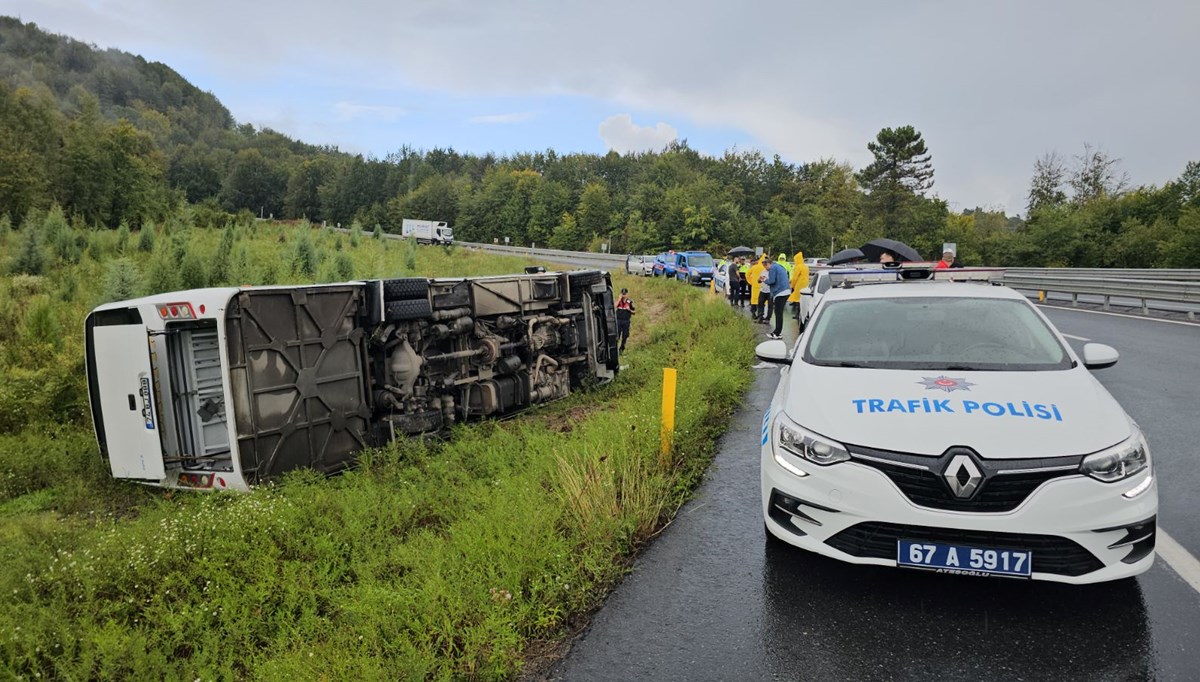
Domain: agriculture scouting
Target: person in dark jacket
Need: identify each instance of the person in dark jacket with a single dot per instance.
(733, 287)
(625, 311)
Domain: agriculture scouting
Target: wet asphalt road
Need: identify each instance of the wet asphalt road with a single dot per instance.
(711, 600)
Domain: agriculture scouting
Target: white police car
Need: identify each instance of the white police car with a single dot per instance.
(947, 426)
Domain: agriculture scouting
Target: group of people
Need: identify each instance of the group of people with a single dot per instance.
(769, 284)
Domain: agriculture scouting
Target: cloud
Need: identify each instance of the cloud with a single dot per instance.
(622, 135)
(992, 86)
(349, 111)
(516, 117)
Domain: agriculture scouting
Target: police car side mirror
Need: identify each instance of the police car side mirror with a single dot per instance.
(775, 351)
(1099, 356)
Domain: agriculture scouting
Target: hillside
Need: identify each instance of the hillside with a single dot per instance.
(112, 138)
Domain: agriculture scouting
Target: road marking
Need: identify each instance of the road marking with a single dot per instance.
(1179, 559)
(1101, 312)
(1077, 338)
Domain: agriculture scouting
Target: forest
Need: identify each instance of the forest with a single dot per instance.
(113, 140)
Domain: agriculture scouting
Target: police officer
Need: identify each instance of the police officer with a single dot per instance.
(625, 311)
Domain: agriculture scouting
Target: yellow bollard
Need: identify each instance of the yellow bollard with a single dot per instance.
(1041, 297)
(668, 414)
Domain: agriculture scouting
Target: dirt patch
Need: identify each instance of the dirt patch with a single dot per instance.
(649, 309)
(564, 422)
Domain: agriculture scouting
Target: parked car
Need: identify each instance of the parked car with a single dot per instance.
(694, 267)
(642, 265)
(720, 278)
(947, 426)
(664, 265)
(811, 295)
(812, 262)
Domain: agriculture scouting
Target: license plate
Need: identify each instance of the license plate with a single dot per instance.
(964, 560)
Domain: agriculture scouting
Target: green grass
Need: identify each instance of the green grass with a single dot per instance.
(441, 559)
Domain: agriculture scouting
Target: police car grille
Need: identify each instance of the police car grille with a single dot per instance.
(1006, 482)
(999, 493)
(1051, 554)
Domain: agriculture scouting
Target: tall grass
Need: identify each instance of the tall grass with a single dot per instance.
(443, 559)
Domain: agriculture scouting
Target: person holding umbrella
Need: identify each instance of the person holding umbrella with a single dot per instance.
(738, 287)
(894, 251)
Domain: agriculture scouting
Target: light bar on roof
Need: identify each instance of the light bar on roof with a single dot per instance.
(913, 272)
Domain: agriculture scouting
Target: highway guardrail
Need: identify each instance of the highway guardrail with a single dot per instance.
(1144, 285)
(1142, 290)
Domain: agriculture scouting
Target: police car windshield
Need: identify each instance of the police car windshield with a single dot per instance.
(700, 261)
(950, 333)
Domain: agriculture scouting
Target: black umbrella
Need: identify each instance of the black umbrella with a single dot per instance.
(846, 256)
(741, 251)
(903, 252)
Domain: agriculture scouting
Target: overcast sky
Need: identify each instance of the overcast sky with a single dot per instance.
(991, 86)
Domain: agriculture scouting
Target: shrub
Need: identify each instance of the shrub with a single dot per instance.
(29, 259)
(378, 233)
(305, 258)
(269, 273)
(180, 245)
(221, 261)
(122, 280)
(410, 254)
(41, 325)
(344, 267)
(122, 237)
(66, 245)
(240, 269)
(192, 273)
(146, 238)
(162, 275)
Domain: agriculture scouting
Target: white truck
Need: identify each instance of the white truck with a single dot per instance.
(426, 231)
(222, 388)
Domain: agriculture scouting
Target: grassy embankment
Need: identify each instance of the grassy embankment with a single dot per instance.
(450, 559)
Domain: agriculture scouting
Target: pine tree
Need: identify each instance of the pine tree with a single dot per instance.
(219, 274)
(192, 273)
(29, 259)
(900, 175)
(122, 280)
(146, 238)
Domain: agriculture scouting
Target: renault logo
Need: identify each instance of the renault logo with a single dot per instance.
(963, 476)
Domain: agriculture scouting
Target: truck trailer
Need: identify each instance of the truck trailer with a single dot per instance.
(223, 388)
(426, 231)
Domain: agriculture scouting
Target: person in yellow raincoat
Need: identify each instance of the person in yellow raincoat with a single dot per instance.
(752, 276)
(784, 262)
(799, 281)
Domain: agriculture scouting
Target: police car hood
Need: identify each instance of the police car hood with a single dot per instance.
(998, 414)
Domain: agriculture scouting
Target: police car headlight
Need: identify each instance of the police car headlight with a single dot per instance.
(1119, 462)
(810, 446)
